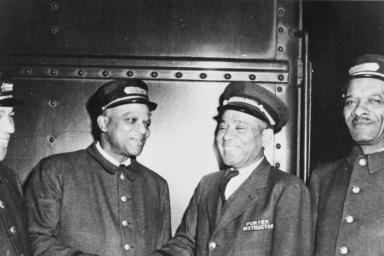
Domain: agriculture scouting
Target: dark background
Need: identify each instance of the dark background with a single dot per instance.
(339, 31)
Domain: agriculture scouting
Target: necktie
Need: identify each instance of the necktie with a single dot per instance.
(224, 183)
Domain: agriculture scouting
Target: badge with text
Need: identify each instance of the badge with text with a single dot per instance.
(257, 225)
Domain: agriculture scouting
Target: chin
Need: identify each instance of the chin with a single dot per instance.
(230, 161)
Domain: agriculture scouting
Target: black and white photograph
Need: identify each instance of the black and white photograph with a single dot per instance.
(191, 128)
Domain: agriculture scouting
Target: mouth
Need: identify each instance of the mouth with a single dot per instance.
(361, 122)
(139, 142)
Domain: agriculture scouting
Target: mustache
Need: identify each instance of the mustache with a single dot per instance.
(361, 119)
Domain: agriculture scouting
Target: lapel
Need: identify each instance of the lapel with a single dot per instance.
(214, 201)
(243, 196)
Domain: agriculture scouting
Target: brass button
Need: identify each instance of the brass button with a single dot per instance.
(363, 162)
(343, 250)
(349, 219)
(356, 189)
(212, 245)
(122, 176)
(2, 205)
(124, 223)
(12, 230)
(127, 247)
(124, 198)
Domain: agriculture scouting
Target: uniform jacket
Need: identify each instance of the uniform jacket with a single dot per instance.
(348, 206)
(80, 202)
(13, 217)
(269, 215)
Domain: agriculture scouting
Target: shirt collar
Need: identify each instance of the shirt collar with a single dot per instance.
(375, 160)
(249, 169)
(110, 158)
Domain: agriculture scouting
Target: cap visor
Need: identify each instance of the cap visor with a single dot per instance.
(10, 102)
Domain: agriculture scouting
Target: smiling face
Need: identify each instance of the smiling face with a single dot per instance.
(364, 113)
(125, 129)
(7, 127)
(239, 138)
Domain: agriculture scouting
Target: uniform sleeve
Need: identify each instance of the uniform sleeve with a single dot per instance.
(43, 194)
(183, 243)
(292, 223)
(165, 229)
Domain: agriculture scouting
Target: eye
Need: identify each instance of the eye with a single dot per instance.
(221, 127)
(349, 102)
(241, 127)
(375, 101)
(147, 124)
(130, 120)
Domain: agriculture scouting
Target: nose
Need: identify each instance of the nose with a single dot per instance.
(228, 133)
(141, 128)
(360, 109)
(9, 125)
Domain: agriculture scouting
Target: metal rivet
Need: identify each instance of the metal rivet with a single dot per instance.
(277, 165)
(280, 77)
(105, 73)
(281, 11)
(80, 72)
(278, 145)
(280, 48)
(51, 139)
(227, 76)
(28, 71)
(154, 74)
(280, 29)
(178, 75)
(52, 103)
(129, 73)
(203, 75)
(279, 89)
(55, 6)
(54, 29)
(53, 72)
(252, 77)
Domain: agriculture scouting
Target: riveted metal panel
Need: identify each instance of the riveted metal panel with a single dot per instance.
(203, 28)
(59, 52)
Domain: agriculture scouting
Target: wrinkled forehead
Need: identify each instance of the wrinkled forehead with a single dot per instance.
(234, 116)
(131, 108)
(365, 86)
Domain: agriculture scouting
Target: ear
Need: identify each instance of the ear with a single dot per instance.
(102, 123)
(267, 137)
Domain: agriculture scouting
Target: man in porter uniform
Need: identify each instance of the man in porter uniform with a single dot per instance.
(348, 195)
(101, 201)
(260, 211)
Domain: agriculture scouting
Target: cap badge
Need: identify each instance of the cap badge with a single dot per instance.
(252, 103)
(365, 67)
(135, 90)
(6, 90)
